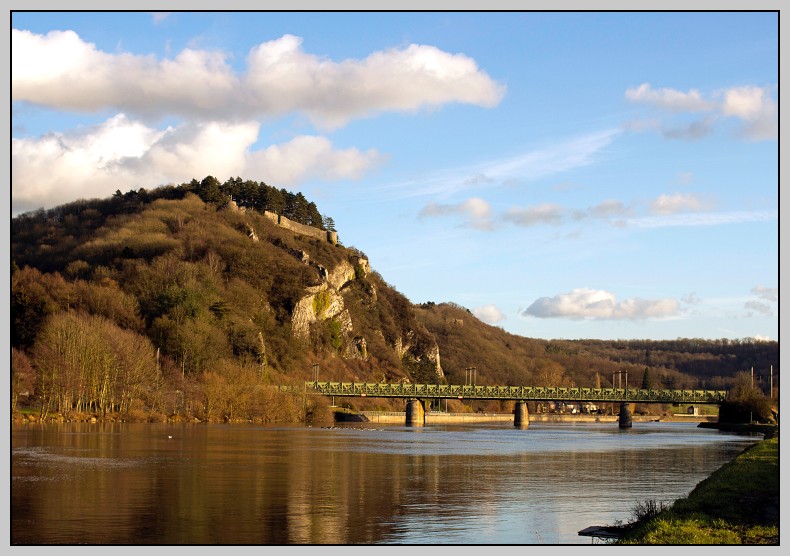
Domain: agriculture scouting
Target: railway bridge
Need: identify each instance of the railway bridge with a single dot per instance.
(417, 394)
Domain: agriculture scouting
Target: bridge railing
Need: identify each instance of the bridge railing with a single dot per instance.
(523, 393)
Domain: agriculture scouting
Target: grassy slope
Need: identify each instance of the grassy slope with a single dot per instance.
(738, 504)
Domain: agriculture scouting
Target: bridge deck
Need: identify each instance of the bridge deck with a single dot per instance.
(521, 393)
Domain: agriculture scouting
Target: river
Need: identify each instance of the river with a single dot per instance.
(246, 484)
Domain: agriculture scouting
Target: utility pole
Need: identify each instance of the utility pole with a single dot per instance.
(772, 382)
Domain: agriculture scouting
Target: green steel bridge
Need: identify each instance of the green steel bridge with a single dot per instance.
(518, 393)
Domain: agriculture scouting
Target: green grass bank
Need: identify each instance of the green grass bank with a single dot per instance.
(737, 505)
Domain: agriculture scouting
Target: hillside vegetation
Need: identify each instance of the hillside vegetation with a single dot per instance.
(177, 303)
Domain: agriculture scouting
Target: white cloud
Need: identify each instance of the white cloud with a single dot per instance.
(768, 294)
(159, 17)
(758, 307)
(489, 314)
(756, 108)
(310, 156)
(609, 208)
(752, 106)
(679, 202)
(61, 71)
(702, 219)
(532, 165)
(475, 211)
(282, 77)
(669, 99)
(585, 303)
(531, 216)
(124, 154)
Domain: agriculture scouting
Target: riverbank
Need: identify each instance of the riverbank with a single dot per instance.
(737, 505)
(399, 418)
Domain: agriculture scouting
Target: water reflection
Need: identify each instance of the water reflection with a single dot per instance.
(247, 484)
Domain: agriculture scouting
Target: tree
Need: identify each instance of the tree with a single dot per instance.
(210, 190)
(314, 217)
(296, 208)
(23, 376)
(270, 199)
(745, 402)
(88, 363)
(647, 383)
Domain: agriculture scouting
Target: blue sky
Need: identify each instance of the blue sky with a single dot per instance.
(560, 174)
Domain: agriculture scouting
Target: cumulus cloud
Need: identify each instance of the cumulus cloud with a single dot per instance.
(752, 106)
(476, 212)
(61, 71)
(679, 202)
(122, 153)
(758, 307)
(756, 108)
(669, 99)
(691, 131)
(531, 216)
(310, 156)
(585, 303)
(768, 294)
(610, 208)
(489, 314)
(282, 77)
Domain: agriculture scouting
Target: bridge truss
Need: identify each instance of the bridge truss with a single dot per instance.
(520, 393)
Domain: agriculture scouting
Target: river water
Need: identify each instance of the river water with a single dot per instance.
(246, 484)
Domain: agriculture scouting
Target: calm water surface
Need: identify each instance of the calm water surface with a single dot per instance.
(203, 484)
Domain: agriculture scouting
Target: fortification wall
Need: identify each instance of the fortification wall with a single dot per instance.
(303, 229)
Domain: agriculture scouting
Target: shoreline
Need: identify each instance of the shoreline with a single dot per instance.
(399, 417)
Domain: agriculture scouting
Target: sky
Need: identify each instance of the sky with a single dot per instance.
(562, 175)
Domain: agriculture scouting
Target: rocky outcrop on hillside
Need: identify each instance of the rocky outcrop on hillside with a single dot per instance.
(325, 303)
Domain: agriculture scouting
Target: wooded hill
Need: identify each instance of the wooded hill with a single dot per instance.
(174, 301)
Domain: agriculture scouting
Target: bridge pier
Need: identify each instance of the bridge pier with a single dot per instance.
(521, 415)
(625, 420)
(415, 413)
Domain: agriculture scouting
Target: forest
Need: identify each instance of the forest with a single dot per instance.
(161, 304)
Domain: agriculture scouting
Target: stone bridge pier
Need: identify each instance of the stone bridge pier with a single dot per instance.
(415, 413)
(521, 415)
(625, 421)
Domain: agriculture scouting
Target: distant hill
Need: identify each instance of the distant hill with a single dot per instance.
(197, 299)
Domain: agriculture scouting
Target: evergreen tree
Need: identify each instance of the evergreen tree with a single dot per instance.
(209, 190)
(647, 383)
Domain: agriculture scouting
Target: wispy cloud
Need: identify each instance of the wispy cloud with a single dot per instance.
(159, 17)
(675, 210)
(528, 166)
(702, 219)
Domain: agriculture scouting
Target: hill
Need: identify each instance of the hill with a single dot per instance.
(197, 300)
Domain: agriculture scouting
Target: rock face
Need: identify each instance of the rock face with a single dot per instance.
(324, 303)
